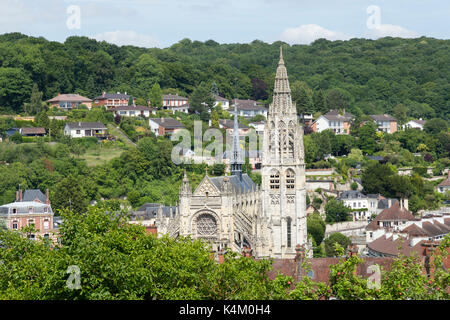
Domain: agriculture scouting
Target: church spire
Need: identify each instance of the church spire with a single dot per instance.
(236, 152)
(282, 101)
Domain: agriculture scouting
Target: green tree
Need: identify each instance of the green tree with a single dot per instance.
(42, 120)
(70, 193)
(15, 88)
(342, 240)
(201, 98)
(214, 118)
(336, 211)
(156, 96)
(434, 126)
(316, 227)
(367, 136)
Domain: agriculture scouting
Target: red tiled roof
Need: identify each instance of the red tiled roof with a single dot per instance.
(446, 182)
(415, 231)
(388, 246)
(391, 214)
(33, 130)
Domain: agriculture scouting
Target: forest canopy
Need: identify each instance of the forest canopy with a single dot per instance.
(387, 75)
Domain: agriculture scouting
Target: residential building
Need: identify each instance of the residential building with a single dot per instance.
(409, 237)
(385, 123)
(86, 129)
(224, 102)
(133, 111)
(338, 122)
(444, 186)
(415, 124)
(183, 108)
(30, 208)
(173, 100)
(32, 132)
(249, 108)
(164, 126)
(364, 206)
(228, 125)
(111, 100)
(69, 101)
(391, 218)
(259, 126)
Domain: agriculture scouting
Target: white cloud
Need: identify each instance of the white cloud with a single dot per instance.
(14, 12)
(390, 30)
(128, 37)
(307, 33)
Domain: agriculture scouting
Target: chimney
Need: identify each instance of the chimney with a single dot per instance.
(389, 202)
(47, 196)
(20, 195)
(401, 203)
(17, 196)
(405, 203)
(300, 253)
(103, 94)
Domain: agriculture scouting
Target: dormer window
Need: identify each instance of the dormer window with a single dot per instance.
(14, 210)
(30, 209)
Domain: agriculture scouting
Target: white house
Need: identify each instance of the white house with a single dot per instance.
(335, 121)
(133, 111)
(224, 102)
(85, 129)
(364, 206)
(259, 126)
(415, 124)
(444, 186)
(249, 108)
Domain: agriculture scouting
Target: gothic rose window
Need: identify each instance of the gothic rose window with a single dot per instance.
(206, 225)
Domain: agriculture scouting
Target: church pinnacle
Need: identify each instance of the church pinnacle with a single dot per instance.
(236, 152)
(282, 101)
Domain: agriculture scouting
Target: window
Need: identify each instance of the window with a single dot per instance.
(46, 224)
(78, 131)
(14, 210)
(289, 235)
(31, 222)
(15, 225)
(274, 180)
(30, 209)
(290, 179)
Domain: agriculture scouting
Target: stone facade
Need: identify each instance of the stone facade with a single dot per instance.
(232, 211)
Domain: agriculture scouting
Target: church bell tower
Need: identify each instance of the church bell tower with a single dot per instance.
(283, 171)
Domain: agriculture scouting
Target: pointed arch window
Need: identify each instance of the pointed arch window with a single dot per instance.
(290, 179)
(274, 182)
(289, 231)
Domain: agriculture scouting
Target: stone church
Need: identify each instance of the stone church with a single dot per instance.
(231, 211)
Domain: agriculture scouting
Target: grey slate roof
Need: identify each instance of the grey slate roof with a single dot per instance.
(113, 96)
(73, 97)
(229, 124)
(150, 211)
(239, 186)
(248, 104)
(168, 123)
(33, 194)
(334, 115)
(382, 117)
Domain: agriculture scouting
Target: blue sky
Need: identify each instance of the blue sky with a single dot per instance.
(161, 23)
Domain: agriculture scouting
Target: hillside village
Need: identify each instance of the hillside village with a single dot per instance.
(377, 185)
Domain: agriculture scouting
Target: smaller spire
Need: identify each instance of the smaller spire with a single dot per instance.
(281, 56)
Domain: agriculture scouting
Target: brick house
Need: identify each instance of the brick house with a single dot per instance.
(163, 126)
(30, 208)
(69, 101)
(111, 100)
(385, 123)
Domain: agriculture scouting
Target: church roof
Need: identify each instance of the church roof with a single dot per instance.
(244, 185)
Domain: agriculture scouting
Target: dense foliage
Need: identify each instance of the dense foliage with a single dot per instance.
(118, 260)
(390, 75)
